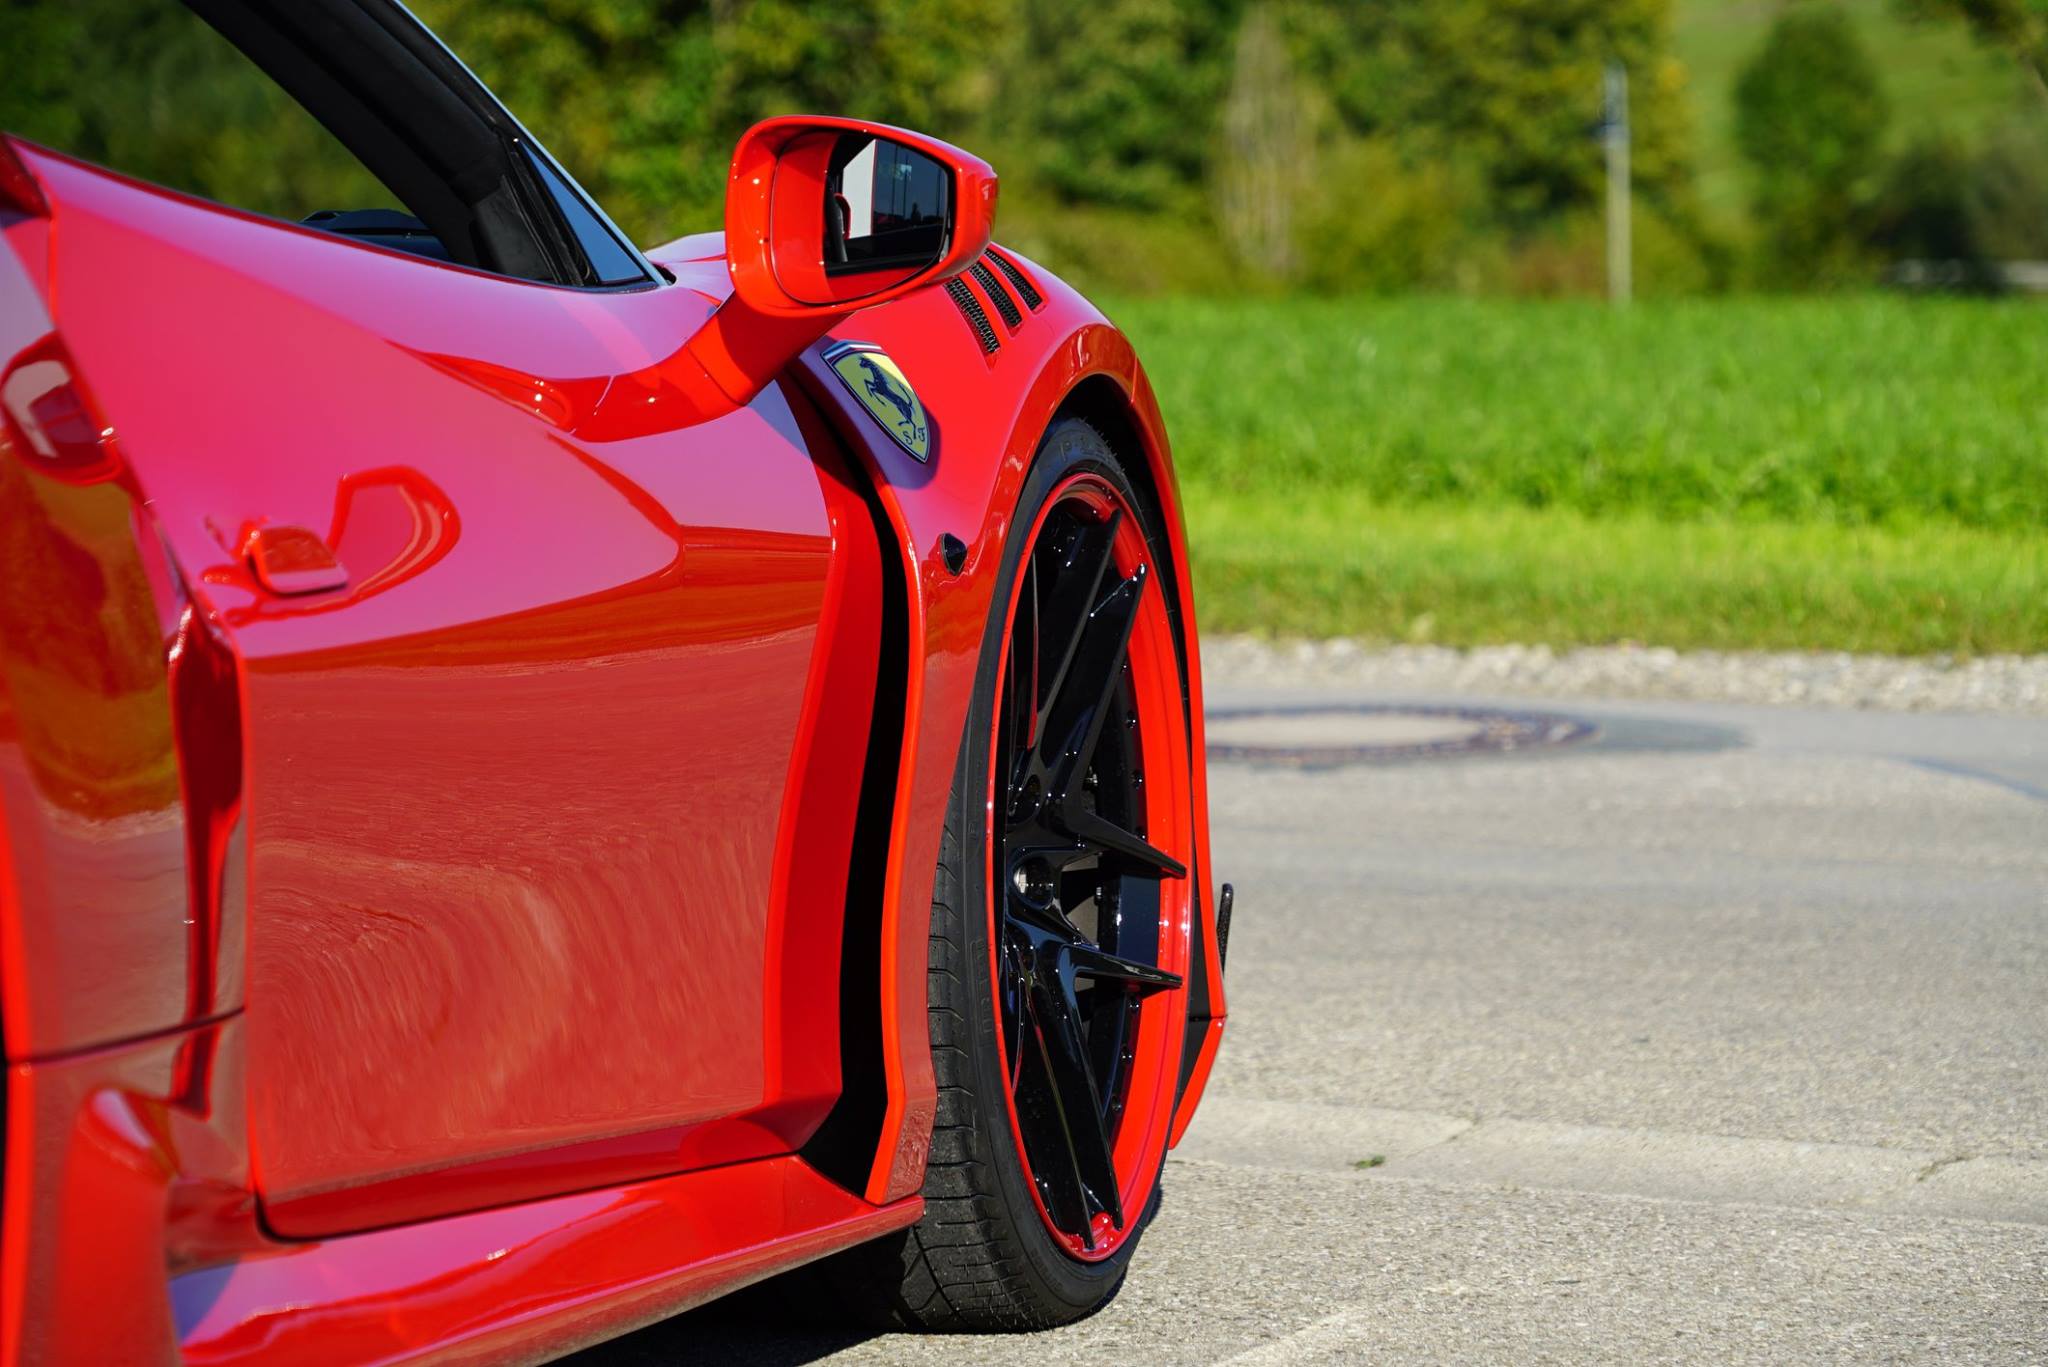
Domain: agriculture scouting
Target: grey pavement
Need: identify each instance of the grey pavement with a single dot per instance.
(1720, 1037)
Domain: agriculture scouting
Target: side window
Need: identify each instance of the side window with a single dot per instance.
(149, 89)
(611, 263)
(342, 115)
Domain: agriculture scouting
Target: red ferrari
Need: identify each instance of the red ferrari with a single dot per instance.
(542, 782)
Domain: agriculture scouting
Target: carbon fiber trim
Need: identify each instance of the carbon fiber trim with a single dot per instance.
(963, 298)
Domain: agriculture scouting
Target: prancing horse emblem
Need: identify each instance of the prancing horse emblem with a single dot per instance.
(878, 383)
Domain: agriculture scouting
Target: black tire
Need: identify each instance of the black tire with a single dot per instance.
(981, 1258)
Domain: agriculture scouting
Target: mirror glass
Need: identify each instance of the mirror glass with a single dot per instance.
(887, 207)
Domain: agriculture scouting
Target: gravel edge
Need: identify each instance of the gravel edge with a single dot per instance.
(2008, 684)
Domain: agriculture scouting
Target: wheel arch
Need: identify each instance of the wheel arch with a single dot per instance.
(989, 412)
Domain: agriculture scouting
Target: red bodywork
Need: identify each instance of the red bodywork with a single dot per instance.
(431, 754)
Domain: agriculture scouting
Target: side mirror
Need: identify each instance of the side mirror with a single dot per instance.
(826, 216)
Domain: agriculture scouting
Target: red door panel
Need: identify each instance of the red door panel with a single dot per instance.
(514, 787)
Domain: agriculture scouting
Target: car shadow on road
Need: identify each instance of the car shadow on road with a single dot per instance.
(756, 1327)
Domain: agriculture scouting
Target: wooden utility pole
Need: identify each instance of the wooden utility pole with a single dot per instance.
(1614, 132)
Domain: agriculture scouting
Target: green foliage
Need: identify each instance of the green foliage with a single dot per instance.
(642, 99)
(1946, 202)
(1450, 144)
(1922, 211)
(1121, 96)
(620, 92)
(2006, 199)
(1511, 88)
(1212, 145)
(1941, 82)
(918, 63)
(2020, 26)
(1809, 117)
(1370, 221)
(158, 94)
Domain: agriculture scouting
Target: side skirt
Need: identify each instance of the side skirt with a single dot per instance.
(130, 1235)
(527, 1281)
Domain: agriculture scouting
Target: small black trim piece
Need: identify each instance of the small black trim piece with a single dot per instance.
(998, 296)
(1201, 998)
(963, 299)
(1224, 902)
(953, 551)
(1033, 300)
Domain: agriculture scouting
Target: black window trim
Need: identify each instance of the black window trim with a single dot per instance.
(651, 276)
(402, 103)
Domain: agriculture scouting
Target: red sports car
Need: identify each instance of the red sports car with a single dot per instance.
(542, 782)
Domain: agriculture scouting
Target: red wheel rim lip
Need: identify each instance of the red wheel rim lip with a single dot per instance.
(1139, 1145)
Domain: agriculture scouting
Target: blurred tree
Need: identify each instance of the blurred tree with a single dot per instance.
(1369, 221)
(2006, 199)
(620, 91)
(1922, 210)
(2018, 25)
(924, 64)
(1356, 144)
(1509, 87)
(1121, 97)
(642, 99)
(1810, 118)
(1969, 209)
(1267, 133)
(153, 92)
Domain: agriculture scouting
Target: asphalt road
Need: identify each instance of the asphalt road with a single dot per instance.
(1720, 1037)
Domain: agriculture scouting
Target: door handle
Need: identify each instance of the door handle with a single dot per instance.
(289, 561)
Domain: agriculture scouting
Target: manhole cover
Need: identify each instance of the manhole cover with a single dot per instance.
(1376, 733)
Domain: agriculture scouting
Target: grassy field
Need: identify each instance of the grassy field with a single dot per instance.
(1861, 473)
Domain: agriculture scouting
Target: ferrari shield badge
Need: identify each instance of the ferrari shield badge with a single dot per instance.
(878, 383)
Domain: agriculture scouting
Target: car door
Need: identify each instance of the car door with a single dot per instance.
(526, 702)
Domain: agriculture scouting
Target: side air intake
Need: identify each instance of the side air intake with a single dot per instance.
(1033, 300)
(999, 296)
(963, 298)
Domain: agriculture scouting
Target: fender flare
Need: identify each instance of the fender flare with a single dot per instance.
(988, 413)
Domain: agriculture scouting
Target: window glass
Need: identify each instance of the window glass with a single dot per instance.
(612, 263)
(147, 88)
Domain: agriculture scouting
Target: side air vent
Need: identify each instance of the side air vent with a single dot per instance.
(1033, 300)
(999, 296)
(963, 298)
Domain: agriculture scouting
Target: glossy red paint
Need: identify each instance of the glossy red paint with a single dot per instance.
(434, 749)
(132, 1236)
(380, 997)
(95, 944)
(987, 413)
(524, 1281)
(18, 189)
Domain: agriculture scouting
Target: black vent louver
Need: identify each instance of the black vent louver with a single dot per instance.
(1033, 300)
(963, 298)
(999, 296)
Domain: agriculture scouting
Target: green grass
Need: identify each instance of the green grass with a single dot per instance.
(1859, 473)
(1937, 78)
(1342, 565)
(1846, 409)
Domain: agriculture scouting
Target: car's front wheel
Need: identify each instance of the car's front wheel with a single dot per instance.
(1059, 938)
